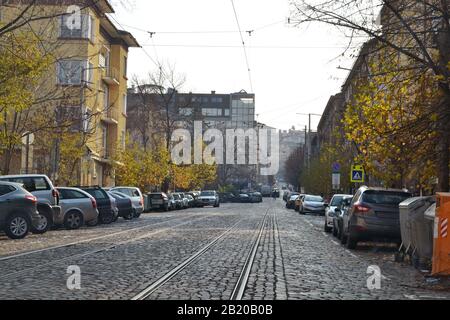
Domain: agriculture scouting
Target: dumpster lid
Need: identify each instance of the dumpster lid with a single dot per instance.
(415, 202)
(431, 212)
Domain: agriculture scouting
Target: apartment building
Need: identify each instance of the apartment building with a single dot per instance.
(90, 78)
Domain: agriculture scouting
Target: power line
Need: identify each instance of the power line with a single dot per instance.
(243, 46)
(240, 47)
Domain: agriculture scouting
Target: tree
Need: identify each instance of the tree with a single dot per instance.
(418, 30)
(294, 166)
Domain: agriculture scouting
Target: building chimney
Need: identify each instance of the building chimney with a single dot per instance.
(213, 92)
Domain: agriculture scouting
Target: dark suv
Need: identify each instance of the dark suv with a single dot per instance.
(374, 214)
(105, 204)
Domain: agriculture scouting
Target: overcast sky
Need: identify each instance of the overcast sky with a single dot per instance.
(293, 70)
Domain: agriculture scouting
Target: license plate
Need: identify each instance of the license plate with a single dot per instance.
(157, 201)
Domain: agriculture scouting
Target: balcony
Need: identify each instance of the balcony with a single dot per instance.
(110, 116)
(110, 76)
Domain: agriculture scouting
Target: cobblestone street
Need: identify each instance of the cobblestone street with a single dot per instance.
(249, 251)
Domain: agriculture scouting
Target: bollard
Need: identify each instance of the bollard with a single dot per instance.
(441, 252)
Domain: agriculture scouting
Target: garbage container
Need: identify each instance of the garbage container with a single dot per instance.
(441, 250)
(413, 228)
(147, 203)
(422, 235)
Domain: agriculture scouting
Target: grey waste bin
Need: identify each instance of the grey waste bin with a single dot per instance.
(147, 203)
(417, 233)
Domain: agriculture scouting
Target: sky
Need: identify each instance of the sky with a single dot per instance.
(293, 69)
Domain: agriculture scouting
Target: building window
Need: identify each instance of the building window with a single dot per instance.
(69, 29)
(227, 112)
(105, 98)
(122, 139)
(125, 104)
(69, 72)
(125, 66)
(104, 137)
(211, 112)
(185, 111)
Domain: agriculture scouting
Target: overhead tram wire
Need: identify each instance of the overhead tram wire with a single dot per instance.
(243, 45)
(142, 47)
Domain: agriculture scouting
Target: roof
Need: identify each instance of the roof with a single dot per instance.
(128, 39)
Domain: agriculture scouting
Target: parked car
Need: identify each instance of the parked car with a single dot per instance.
(298, 202)
(78, 207)
(18, 210)
(227, 197)
(195, 195)
(374, 214)
(185, 200)
(106, 206)
(47, 198)
(209, 198)
(245, 198)
(136, 197)
(330, 213)
(312, 204)
(286, 195)
(172, 202)
(338, 218)
(256, 197)
(191, 200)
(290, 204)
(276, 193)
(124, 205)
(266, 191)
(159, 201)
(178, 201)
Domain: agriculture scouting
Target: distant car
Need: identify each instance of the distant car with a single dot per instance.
(290, 204)
(47, 198)
(195, 195)
(245, 198)
(338, 218)
(172, 202)
(266, 191)
(312, 204)
(191, 200)
(209, 198)
(78, 207)
(124, 205)
(298, 202)
(178, 201)
(275, 193)
(159, 201)
(105, 204)
(256, 197)
(330, 213)
(136, 197)
(18, 210)
(185, 200)
(374, 214)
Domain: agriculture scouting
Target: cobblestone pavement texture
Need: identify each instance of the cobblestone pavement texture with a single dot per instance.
(295, 259)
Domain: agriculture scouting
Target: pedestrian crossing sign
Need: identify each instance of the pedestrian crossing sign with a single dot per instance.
(357, 174)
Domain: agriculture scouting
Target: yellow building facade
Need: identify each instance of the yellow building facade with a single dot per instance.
(90, 71)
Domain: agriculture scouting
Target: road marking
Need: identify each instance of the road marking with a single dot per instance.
(351, 253)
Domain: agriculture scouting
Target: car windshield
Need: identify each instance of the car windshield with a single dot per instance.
(313, 199)
(385, 197)
(97, 193)
(294, 197)
(207, 194)
(337, 201)
(156, 196)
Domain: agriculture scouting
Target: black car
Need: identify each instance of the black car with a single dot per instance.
(105, 204)
(18, 210)
(227, 197)
(124, 205)
(245, 198)
(159, 201)
(374, 214)
(290, 203)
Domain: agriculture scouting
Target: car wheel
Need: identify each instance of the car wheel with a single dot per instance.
(17, 226)
(301, 211)
(73, 220)
(129, 216)
(326, 228)
(136, 214)
(352, 241)
(166, 208)
(43, 225)
(107, 217)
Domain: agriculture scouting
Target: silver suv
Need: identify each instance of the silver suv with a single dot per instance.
(47, 198)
